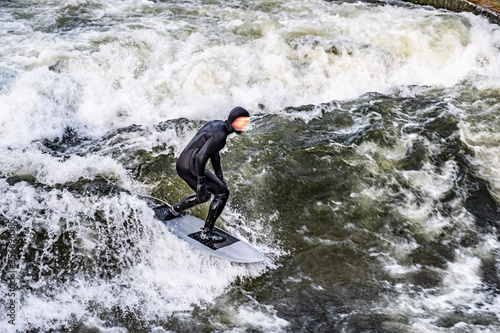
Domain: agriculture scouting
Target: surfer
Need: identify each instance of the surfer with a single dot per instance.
(205, 145)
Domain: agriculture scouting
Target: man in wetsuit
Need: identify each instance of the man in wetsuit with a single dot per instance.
(191, 164)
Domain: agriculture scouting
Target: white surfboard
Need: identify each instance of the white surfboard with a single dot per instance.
(188, 228)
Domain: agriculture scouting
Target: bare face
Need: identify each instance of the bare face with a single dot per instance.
(241, 123)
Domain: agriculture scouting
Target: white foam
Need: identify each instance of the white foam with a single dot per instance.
(52, 170)
(164, 69)
(462, 290)
(481, 136)
(169, 277)
(257, 316)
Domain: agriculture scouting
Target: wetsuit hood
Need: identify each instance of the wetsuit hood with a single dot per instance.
(235, 114)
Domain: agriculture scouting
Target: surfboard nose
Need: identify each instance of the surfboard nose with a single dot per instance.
(242, 252)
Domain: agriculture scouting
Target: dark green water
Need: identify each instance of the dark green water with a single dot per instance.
(370, 177)
(336, 191)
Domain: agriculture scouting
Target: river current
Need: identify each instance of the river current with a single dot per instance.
(370, 177)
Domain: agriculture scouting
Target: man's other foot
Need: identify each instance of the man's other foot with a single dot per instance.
(166, 213)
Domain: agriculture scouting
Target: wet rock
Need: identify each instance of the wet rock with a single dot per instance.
(486, 8)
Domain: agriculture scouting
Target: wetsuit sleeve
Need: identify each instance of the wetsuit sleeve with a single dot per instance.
(202, 157)
(215, 160)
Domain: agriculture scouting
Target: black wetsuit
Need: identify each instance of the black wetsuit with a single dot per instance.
(191, 166)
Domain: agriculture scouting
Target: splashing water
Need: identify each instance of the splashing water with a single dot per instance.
(369, 178)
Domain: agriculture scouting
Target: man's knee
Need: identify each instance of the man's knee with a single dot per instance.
(223, 193)
(204, 200)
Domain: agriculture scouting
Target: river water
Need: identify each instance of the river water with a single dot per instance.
(370, 177)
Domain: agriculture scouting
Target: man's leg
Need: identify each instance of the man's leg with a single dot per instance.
(188, 202)
(221, 192)
(214, 186)
(216, 208)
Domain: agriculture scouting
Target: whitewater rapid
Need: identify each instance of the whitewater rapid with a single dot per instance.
(97, 98)
(142, 62)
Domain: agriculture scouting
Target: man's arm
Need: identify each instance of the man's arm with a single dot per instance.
(215, 160)
(201, 160)
(202, 156)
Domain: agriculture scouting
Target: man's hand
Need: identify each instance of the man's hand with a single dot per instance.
(201, 190)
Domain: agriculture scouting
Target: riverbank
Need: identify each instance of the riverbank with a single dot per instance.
(487, 8)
